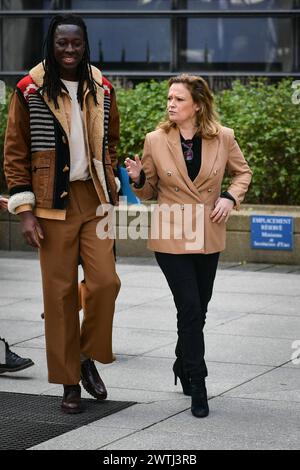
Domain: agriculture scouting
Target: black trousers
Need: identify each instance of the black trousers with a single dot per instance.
(190, 278)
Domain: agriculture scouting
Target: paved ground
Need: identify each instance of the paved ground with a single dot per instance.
(253, 384)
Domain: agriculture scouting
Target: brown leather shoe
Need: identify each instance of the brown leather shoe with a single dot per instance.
(92, 381)
(71, 399)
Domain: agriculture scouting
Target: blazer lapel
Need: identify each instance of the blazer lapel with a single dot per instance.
(174, 144)
(208, 157)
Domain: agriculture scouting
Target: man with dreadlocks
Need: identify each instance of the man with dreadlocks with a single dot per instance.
(60, 156)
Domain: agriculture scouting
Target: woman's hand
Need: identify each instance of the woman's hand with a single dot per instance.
(134, 168)
(3, 204)
(31, 229)
(222, 210)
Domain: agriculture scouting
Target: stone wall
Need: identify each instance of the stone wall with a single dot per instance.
(238, 235)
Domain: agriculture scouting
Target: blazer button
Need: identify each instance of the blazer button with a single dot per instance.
(64, 194)
(209, 190)
(215, 172)
(169, 173)
(66, 168)
(176, 189)
(64, 139)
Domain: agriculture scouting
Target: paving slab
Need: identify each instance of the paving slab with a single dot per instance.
(152, 277)
(232, 424)
(9, 300)
(22, 309)
(282, 268)
(284, 305)
(155, 315)
(32, 380)
(145, 414)
(229, 348)
(260, 283)
(22, 289)
(281, 384)
(141, 373)
(138, 296)
(16, 331)
(88, 437)
(19, 270)
(253, 385)
(235, 302)
(126, 394)
(138, 340)
(263, 326)
(215, 318)
(247, 350)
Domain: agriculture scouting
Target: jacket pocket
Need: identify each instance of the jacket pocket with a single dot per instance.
(40, 170)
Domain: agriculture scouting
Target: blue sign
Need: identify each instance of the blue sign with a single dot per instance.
(271, 232)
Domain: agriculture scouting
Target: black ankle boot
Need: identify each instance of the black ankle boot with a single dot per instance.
(199, 407)
(71, 403)
(184, 379)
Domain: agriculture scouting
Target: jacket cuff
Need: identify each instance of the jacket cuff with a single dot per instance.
(23, 208)
(20, 199)
(227, 195)
(142, 181)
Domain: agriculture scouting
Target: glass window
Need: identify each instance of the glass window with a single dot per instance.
(128, 44)
(19, 48)
(121, 4)
(124, 44)
(133, 47)
(24, 4)
(241, 4)
(262, 44)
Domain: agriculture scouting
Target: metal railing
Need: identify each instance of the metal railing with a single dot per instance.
(288, 13)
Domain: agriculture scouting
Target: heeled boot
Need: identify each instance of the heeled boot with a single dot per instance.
(199, 405)
(183, 377)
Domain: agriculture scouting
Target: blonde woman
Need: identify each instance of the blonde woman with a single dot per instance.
(183, 165)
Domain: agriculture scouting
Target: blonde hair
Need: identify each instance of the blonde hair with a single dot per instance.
(207, 120)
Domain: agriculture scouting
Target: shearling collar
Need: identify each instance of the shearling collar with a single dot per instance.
(37, 74)
(94, 126)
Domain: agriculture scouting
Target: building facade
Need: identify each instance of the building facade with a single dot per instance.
(139, 39)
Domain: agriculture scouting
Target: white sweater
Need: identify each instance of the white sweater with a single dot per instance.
(79, 168)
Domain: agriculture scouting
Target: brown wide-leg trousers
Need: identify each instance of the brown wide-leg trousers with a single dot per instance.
(64, 243)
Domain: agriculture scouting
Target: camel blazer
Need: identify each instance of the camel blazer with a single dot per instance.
(167, 181)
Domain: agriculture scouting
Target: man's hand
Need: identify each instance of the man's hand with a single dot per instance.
(3, 204)
(134, 168)
(31, 229)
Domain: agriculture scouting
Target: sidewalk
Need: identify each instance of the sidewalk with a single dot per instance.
(253, 385)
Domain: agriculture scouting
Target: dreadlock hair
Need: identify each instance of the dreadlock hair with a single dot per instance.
(52, 84)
